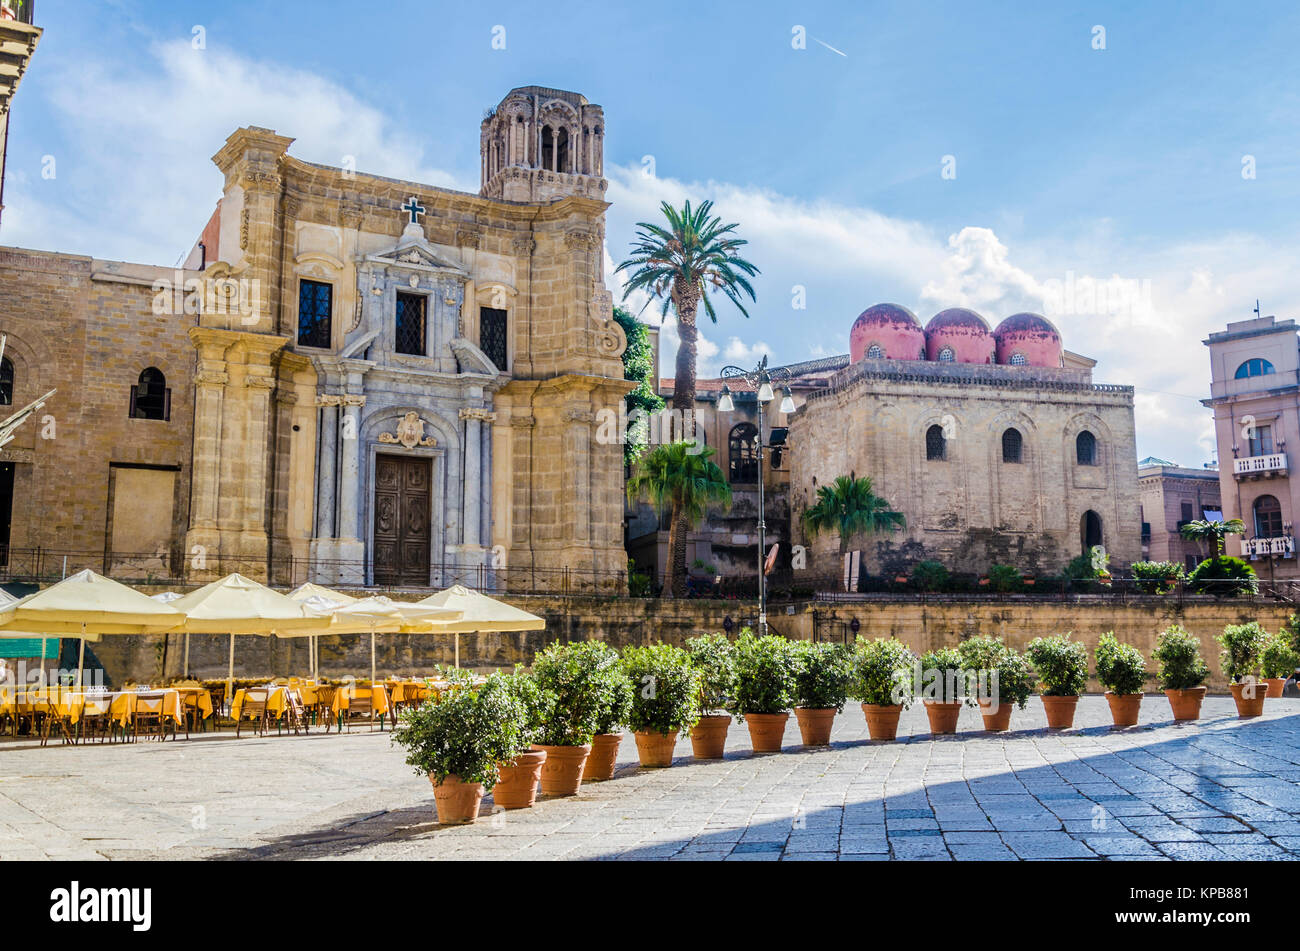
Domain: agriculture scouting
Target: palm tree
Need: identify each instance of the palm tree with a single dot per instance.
(679, 475)
(850, 506)
(1214, 532)
(679, 265)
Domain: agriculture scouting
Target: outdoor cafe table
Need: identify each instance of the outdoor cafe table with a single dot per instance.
(192, 695)
(128, 703)
(277, 699)
(379, 701)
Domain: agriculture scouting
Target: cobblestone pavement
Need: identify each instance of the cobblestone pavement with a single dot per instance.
(1220, 788)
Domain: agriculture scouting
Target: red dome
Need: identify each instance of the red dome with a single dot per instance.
(891, 328)
(963, 333)
(1029, 339)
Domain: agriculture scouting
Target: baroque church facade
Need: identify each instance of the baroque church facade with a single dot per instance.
(397, 385)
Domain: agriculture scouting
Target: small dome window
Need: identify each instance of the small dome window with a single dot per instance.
(875, 352)
(947, 355)
(1018, 359)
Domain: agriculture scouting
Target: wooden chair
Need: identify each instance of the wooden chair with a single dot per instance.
(254, 708)
(324, 706)
(63, 708)
(295, 711)
(95, 717)
(218, 695)
(360, 705)
(150, 712)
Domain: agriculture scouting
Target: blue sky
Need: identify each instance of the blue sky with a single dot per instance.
(1070, 161)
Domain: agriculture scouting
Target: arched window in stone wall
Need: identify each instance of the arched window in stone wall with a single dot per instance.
(936, 447)
(562, 151)
(1268, 517)
(6, 382)
(150, 398)
(1085, 449)
(743, 448)
(1254, 367)
(1018, 359)
(875, 352)
(1012, 445)
(947, 355)
(548, 148)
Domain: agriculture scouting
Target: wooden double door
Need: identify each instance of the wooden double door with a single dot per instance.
(403, 526)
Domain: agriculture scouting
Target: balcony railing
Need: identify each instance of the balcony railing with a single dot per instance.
(1272, 464)
(20, 10)
(1258, 547)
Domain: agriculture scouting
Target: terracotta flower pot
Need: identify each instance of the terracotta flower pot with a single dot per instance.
(1060, 711)
(655, 749)
(1275, 686)
(1249, 698)
(882, 720)
(998, 721)
(457, 802)
(943, 716)
(517, 786)
(709, 736)
(1124, 707)
(562, 771)
(815, 724)
(604, 756)
(1186, 704)
(766, 731)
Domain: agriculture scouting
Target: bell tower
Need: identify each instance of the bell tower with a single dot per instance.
(541, 144)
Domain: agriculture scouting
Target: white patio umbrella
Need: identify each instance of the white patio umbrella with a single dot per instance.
(322, 600)
(479, 613)
(88, 606)
(239, 605)
(380, 615)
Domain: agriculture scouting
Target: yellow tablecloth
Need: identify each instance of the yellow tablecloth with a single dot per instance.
(127, 704)
(196, 696)
(378, 698)
(407, 691)
(277, 702)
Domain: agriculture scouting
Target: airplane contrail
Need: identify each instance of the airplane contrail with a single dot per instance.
(831, 48)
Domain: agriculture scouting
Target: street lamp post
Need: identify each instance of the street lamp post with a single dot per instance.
(760, 378)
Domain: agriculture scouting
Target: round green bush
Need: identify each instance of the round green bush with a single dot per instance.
(665, 689)
(981, 652)
(464, 733)
(1121, 668)
(823, 675)
(1011, 680)
(765, 674)
(582, 687)
(1179, 655)
(1062, 665)
(1242, 645)
(715, 658)
(1157, 577)
(943, 676)
(1279, 659)
(884, 672)
(1224, 577)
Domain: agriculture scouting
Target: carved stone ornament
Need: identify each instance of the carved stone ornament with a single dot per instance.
(410, 433)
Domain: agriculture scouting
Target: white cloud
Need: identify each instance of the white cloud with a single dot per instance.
(149, 130)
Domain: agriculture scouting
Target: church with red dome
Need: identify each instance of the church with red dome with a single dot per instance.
(989, 436)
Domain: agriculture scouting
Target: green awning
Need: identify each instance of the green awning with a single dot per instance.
(25, 647)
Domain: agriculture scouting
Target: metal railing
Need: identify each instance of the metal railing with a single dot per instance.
(21, 10)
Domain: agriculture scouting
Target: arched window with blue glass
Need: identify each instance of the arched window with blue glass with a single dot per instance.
(1255, 366)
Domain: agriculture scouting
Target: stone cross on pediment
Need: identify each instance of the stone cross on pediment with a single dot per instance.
(414, 209)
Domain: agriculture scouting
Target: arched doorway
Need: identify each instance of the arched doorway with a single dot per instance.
(1090, 530)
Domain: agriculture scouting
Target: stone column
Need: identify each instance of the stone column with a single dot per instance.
(350, 469)
(328, 465)
(473, 502)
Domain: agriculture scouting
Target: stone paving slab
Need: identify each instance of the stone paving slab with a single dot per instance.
(1216, 789)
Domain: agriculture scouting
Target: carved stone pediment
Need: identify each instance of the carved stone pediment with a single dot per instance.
(471, 359)
(418, 257)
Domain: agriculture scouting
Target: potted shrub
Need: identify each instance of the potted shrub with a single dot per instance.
(665, 699)
(578, 681)
(518, 776)
(1010, 686)
(1062, 667)
(457, 742)
(822, 680)
(943, 689)
(1182, 672)
(883, 680)
(765, 671)
(1157, 577)
(713, 657)
(608, 736)
(1278, 661)
(1005, 579)
(1122, 670)
(930, 576)
(1242, 645)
